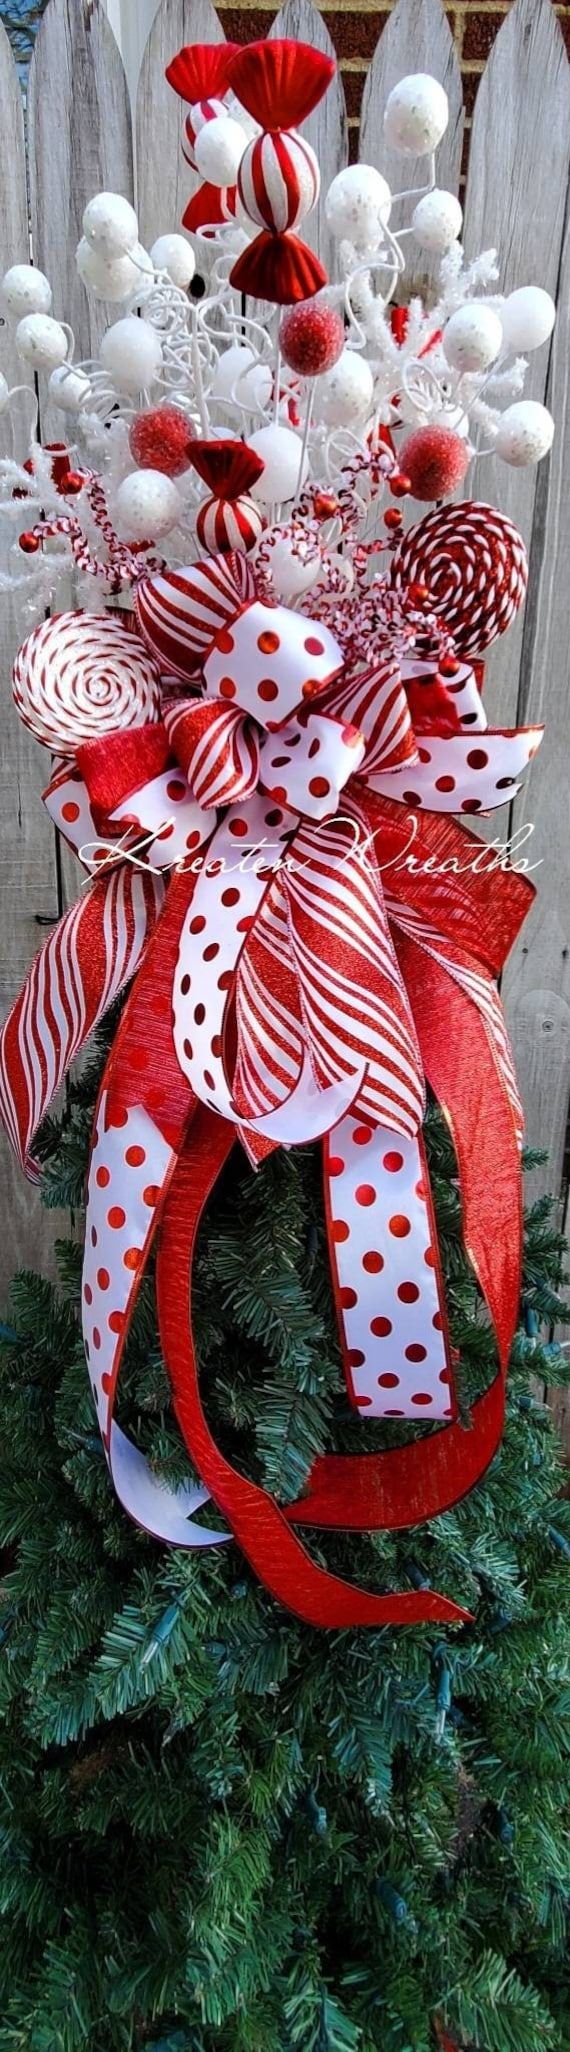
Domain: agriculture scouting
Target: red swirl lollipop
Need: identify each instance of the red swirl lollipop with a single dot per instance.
(474, 565)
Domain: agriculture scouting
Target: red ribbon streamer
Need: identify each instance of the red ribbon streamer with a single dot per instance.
(260, 1527)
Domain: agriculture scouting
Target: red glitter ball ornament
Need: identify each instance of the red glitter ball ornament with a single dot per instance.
(311, 338)
(160, 439)
(435, 459)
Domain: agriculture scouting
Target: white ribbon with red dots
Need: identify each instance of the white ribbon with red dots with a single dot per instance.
(129, 1168)
(388, 1293)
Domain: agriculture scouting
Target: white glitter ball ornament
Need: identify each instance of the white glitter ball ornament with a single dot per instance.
(4, 392)
(437, 221)
(527, 318)
(131, 354)
(473, 337)
(172, 253)
(416, 115)
(282, 475)
(110, 224)
(41, 342)
(147, 506)
(344, 394)
(526, 433)
(219, 149)
(25, 290)
(358, 205)
(69, 388)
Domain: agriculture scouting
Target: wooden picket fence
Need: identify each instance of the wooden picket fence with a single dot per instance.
(82, 136)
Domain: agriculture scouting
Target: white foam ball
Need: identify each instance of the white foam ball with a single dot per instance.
(114, 279)
(282, 475)
(219, 149)
(4, 392)
(230, 366)
(147, 505)
(41, 342)
(344, 394)
(528, 317)
(293, 572)
(131, 353)
(358, 204)
(172, 253)
(110, 224)
(254, 387)
(25, 290)
(69, 388)
(526, 433)
(437, 221)
(473, 337)
(143, 275)
(416, 115)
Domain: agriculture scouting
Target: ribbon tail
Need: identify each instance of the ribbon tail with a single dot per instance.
(482, 1116)
(81, 968)
(386, 1274)
(260, 1527)
(144, 1108)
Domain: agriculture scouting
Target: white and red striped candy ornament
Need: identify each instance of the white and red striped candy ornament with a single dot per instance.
(278, 83)
(230, 518)
(279, 180)
(226, 524)
(200, 113)
(79, 676)
(474, 565)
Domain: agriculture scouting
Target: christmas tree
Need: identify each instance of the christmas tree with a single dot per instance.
(227, 1828)
(221, 1827)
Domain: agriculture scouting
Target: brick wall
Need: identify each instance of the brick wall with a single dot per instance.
(355, 26)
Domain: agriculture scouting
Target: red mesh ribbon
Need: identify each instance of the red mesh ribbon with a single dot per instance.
(200, 70)
(279, 82)
(278, 267)
(228, 468)
(119, 764)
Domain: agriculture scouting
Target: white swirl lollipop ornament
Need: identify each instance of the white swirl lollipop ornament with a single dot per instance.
(79, 676)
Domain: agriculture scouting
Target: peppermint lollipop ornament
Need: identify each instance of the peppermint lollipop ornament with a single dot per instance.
(474, 565)
(80, 676)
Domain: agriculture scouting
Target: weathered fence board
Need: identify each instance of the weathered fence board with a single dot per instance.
(519, 165)
(28, 884)
(79, 142)
(164, 179)
(537, 980)
(417, 37)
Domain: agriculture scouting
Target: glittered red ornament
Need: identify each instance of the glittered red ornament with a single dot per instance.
(311, 338)
(160, 440)
(29, 543)
(435, 459)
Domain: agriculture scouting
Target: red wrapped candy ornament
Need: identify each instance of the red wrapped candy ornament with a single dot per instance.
(230, 518)
(278, 182)
(198, 73)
